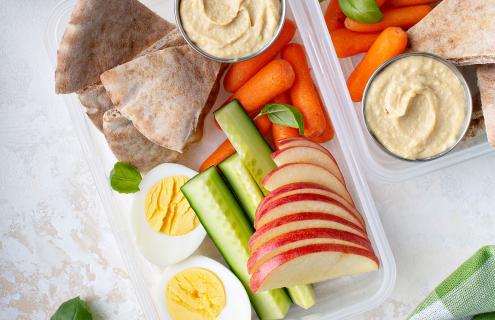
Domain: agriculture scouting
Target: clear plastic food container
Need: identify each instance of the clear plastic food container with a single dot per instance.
(336, 299)
(374, 160)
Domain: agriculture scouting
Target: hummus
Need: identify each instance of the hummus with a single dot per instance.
(415, 107)
(230, 28)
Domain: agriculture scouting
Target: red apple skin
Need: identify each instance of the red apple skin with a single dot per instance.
(304, 187)
(301, 142)
(264, 216)
(260, 276)
(302, 219)
(285, 174)
(300, 154)
(291, 239)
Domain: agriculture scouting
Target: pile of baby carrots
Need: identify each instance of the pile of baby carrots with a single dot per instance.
(381, 41)
(280, 74)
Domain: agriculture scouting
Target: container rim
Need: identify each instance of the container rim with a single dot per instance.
(468, 106)
(205, 54)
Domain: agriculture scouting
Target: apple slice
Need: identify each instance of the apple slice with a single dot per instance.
(304, 237)
(305, 172)
(305, 202)
(301, 142)
(308, 155)
(301, 187)
(303, 220)
(312, 264)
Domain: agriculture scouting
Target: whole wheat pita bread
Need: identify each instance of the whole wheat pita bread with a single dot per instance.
(96, 102)
(486, 82)
(460, 31)
(130, 146)
(95, 98)
(101, 35)
(164, 93)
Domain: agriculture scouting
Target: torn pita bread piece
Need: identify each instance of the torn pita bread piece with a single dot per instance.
(164, 93)
(469, 74)
(172, 39)
(95, 98)
(486, 82)
(96, 102)
(101, 35)
(130, 146)
(460, 31)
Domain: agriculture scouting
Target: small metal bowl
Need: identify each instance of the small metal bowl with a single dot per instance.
(229, 60)
(467, 95)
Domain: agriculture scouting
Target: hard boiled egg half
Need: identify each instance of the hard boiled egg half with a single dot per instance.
(166, 229)
(201, 289)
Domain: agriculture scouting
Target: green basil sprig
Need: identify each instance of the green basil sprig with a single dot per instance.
(125, 178)
(284, 114)
(366, 11)
(73, 309)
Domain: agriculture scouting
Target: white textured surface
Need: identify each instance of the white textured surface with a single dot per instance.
(55, 242)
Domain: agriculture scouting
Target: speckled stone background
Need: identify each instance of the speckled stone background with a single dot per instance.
(55, 242)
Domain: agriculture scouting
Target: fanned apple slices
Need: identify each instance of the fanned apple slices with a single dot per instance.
(311, 264)
(312, 188)
(305, 172)
(301, 238)
(307, 229)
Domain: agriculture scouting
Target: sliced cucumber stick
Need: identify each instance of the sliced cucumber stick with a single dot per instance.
(253, 149)
(229, 229)
(242, 183)
(255, 154)
(303, 296)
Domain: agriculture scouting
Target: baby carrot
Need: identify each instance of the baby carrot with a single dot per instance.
(280, 132)
(404, 17)
(303, 93)
(391, 42)
(282, 98)
(334, 16)
(226, 149)
(263, 124)
(406, 3)
(273, 79)
(348, 43)
(328, 134)
(239, 73)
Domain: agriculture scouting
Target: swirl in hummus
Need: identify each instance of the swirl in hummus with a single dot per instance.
(230, 28)
(415, 107)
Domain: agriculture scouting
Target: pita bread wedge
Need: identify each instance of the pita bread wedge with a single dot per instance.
(95, 98)
(130, 146)
(96, 101)
(101, 35)
(164, 93)
(460, 31)
(486, 82)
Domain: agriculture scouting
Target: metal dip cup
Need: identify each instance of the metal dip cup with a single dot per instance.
(229, 60)
(467, 95)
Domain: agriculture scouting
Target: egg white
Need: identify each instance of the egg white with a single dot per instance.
(159, 248)
(237, 305)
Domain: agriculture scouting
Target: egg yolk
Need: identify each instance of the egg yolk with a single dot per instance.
(167, 210)
(195, 294)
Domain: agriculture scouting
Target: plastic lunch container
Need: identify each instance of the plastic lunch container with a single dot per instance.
(376, 162)
(336, 299)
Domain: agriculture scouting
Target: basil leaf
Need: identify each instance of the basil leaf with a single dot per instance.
(125, 178)
(73, 309)
(284, 114)
(366, 11)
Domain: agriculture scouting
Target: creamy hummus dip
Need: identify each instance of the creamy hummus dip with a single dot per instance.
(415, 107)
(230, 28)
